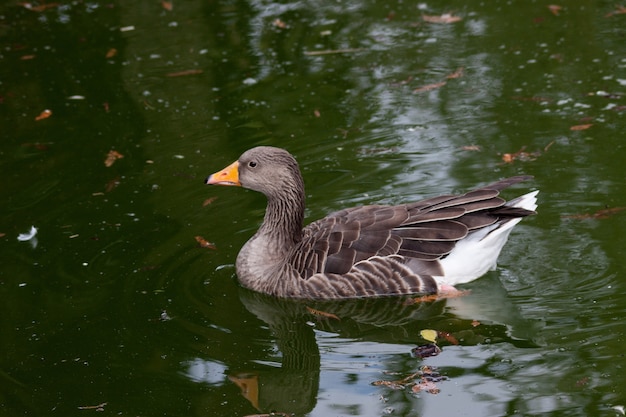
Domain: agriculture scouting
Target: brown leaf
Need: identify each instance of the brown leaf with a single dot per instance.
(425, 385)
(555, 9)
(581, 127)
(322, 313)
(279, 24)
(444, 18)
(27, 57)
(208, 201)
(167, 5)
(204, 243)
(112, 185)
(619, 10)
(111, 53)
(429, 87)
(456, 74)
(39, 8)
(475, 323)
(184, 73)
(522, 155)
(450, 338)
(475, 148)
(44, 115)
(112, 156)
(316, 113)
(600, 214)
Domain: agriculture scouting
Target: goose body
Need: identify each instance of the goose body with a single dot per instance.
(375, 250)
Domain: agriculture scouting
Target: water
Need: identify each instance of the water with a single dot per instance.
(117, 307)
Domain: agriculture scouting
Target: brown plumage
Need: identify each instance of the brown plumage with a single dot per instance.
(370, 250)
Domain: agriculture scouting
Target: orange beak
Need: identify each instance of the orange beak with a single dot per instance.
(227, 176)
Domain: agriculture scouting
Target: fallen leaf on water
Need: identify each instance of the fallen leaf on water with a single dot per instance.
(27, 57)
(581, 127)
(471, 148)
(208, 201)
(322, 313)
(522, 155)
(44, 115)
(456, 74)
(428, 334)
(167, 5)
(426, 351)
(600, 214)
(555, 9)
(203, 243)
(112, 156)
(425, 385)
(333, 51)
(99, 407)
(449, 337)
(39, 8)
(423, 380)
(2, 234)
(619, 10)
(316, 113)
(444, 18)
(112, 184)
(475, 323)
(582, 381)
(279, 24)
(429, 87)
(111, 53)
(184, 73)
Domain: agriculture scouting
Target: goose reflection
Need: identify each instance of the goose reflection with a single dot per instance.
(484, 315)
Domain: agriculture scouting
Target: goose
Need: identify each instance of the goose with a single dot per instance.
(423, 247)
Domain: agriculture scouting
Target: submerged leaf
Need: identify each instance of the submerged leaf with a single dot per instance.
(444, 18)
(322, 313)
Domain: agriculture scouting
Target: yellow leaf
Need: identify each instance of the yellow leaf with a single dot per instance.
(429, 335)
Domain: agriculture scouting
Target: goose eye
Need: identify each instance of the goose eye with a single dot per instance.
(251, 164)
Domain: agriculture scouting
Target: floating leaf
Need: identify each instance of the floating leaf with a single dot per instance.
(44, 115)
(39, 8)
(111, 53)
(426, 351)
(167, 5)
(99, 407)
(429, 87)
(279, 24)
(112, 156)
(581, 127)
(184, 73)
(600, 214)
(555, 9)
(427, 386)
(208, 201)
(456, 74)
(444, 18)
(205, 243)
(619, 10)
(428, 334)
(522, 155)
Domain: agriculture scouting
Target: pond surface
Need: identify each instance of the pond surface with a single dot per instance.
(114, 306)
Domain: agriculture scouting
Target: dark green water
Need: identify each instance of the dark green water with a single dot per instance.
(117, 304)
